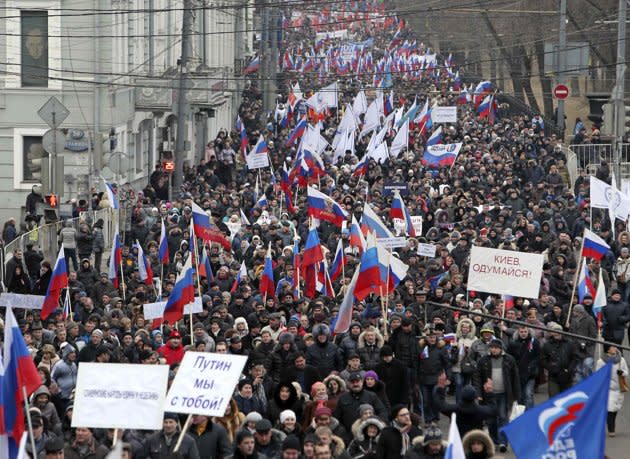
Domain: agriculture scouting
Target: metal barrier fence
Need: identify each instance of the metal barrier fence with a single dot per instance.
(46, 239)
(590, 157)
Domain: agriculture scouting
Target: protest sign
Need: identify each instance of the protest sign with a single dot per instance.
(204, 383)
(257, 160)
(120, 396)
(505, 272)
(426, 250)
(392, 242)
(156, 310)
(444, 114)
(18, 300)
(416, 221)
(389, 187)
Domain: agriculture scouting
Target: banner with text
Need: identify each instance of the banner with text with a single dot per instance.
(120, 396)
(18, 300)
(204, 383)
(505, 272)
(156, 310)
(444, 114)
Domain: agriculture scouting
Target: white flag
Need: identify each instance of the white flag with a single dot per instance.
(455, 448)
(371, 120)
(359, 106)
(329, 95)
(401, 141)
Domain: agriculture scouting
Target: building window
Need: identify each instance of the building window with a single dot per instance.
(33, 155)
(34, 48)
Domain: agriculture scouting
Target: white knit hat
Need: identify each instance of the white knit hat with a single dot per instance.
(287, 414)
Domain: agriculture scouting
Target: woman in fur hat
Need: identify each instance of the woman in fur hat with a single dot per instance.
(478, 445)
(366, 438)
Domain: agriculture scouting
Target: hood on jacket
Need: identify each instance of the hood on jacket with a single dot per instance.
(473, 329)
(321, 329)
(481, 436)
(360, 432)
(41, 390)
(293, 396)
(340, 381)
(379, 338)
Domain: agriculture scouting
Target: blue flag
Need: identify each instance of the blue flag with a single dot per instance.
(571, 424)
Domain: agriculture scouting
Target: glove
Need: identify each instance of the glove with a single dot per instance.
(620, 372)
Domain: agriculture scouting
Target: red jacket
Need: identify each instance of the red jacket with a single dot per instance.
(172, 355)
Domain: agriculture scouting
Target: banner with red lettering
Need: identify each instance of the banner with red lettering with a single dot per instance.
(505, 272)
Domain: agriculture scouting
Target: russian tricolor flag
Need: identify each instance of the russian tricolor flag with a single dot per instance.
(483, 88)
(441, 157)
(205, 268)
(285, 186)
(261, 146)
(399, 210)
(324, 207)
(357, 239)
(182, 294)
(487, 109)
(344, 316)
(338, 262)
(388, 107)
(163, 250)
(436, 137)
(267, 285)
(370, 270)
(313, 250)
(207, 230)
(242, 273)
(240, 127)
(370, 222)
(594, 246)
(361, 168)
(585, 285)
(111, 196)
(115, 259)
(297, 132)
(253, 66)
(324, 284)
(144, 267)
(58, 281)
(19, 378)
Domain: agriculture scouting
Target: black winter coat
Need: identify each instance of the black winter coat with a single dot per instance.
(560, 359)
(430, 367)
(347, 410)
(394, 375)
(511, 380)
(213, 442)
(390, 442)
(526, 352)
(306, 378)
(405, 347)
(470, 415)
(616, 315)
(326, 358)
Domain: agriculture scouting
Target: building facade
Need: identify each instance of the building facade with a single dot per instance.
(113, 64)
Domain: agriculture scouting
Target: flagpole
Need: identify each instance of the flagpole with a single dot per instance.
(28, 420)
(182, 434)
(196, 259)
(122, 281)
(384, 313)
(575, 281)
(343, 268)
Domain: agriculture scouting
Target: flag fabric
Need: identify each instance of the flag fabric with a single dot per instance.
(206, 230)
(297, 132)
(571, 424)
(436, 137)
(241, 274)
(163, 254)
(323, 207)
(344, 316)
(594, 246)
(183, 293)
(585, 285)
(436, 156)
(361, 168)
(20, 375)
(244, 220)
(244, 141)
(111, 196)
(401, 141)
(323, 282)
(313, 250)
(58, 281)
(357, 239)
(262, 202)
(205, 268)
(600, 300)
(285, 186)
(487, 109)
(370, 278)
(371, 222)
(267, 286)
(455, 448)
(253, 66)
(296, 264)
(115, 259)
(144, 267)
(399, 210)
(396, 273)
(338, 262)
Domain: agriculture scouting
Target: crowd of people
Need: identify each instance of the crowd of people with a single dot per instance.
(383, 388)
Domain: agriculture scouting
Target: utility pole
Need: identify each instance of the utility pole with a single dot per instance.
(562, 62)
(151, 37)
(183, 106)
(619, 125)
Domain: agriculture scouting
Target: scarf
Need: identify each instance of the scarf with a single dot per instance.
(404, 435)
(614, 358)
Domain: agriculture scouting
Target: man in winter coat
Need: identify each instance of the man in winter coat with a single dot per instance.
(211, 438)
(172, 351)
(323, 355)
(246, 446)
(64, 373)
(429, 446)
(347, 410)
(161, 444)
(368, 346)
(349, 343)
(268, 440)
(87, 275)
(396, 439)
(405, 345)
(560, 358)
(433, 362)
(499, 372)
(583, 324)
(525, 349)
(86, 446)
(615, 315)
(306, 375)
(394, 374)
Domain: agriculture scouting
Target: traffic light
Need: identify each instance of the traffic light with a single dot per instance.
(608, 118)
(168, 166)
(51, 200)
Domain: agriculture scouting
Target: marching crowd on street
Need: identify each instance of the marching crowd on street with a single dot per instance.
(380, 389)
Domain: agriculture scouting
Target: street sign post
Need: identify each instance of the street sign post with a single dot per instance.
(53, 112)
(560, 91)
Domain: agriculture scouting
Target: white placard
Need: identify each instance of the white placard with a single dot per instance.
(392, 242)
(204, 383)
(426, 250)
(120, 396)
(17, 300)
(416, 221)
(257, 160)
(444, 114)
(505, 272)
(156, 310)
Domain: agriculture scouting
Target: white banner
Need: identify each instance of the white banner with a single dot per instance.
(505, 272)
(392, 242)
(17, 300)
(120, 396)
(343, 33)
(444, 114)
(416, 221)
(257, 160)
(204, 383)
(156, 310)
(426, 250)
(601, 195)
